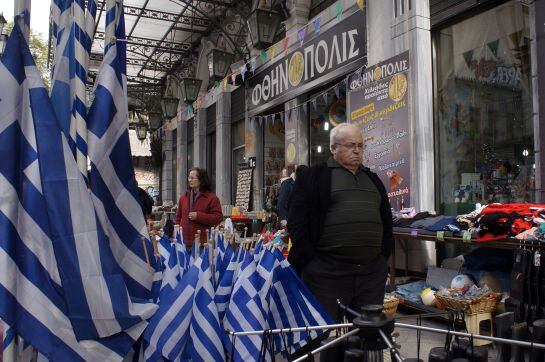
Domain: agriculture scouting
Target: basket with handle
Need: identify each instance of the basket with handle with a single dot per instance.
(482, 304)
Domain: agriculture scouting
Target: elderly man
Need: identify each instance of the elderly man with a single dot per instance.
(340, 223)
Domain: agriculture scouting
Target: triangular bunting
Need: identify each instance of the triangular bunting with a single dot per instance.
(301, 33)
(243, 71)
(493, 46)
(468, 57)
(273, 51)
(314, 104)
(360, 4)
(252, 64)
(338, 9)
(286, 43)
(263, 56)
(234, 77)
(273, 117)
(337, 91)
(316, 25)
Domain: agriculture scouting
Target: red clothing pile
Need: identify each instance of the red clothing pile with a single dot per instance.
(500, 221)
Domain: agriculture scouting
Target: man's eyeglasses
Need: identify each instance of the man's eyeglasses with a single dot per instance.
(352, 146)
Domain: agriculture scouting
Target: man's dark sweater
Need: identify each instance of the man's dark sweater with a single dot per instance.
(353, 226)
(308, 211)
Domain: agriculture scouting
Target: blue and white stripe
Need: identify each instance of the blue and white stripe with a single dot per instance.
(168, 331)
(206, 334)
(113, 184)
(249, 308)
(9, 348)
(73, 31)
(59, 282)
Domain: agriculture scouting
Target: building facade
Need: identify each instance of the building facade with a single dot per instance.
(471, 129)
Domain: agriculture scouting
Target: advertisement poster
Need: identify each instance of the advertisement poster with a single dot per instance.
(378, 104)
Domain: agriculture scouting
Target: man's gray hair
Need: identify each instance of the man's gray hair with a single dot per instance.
(333, 135)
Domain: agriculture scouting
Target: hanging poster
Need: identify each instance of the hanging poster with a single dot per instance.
(378, 104)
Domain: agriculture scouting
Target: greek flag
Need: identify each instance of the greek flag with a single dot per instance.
(112, 179)
(60, 283)
(169, 329)
(225, 280)
(72, 32)
(9, 349)
(292, 305)
(176, 266)
(249, 308)
(206, 334)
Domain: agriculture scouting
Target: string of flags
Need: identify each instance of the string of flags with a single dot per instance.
(312, 102)
(268, 54)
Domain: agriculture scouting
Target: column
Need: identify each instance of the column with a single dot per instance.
(297, 128)
(181, 156)
(199, 139)
(166, 179)
(223, 148)
(411, 31)
(537, 49)
(299, 10)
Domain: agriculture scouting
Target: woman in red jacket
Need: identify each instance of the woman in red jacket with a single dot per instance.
(199, 208)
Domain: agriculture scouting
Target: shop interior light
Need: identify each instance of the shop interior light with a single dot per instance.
(326, 126)
(319, 149)
(525, 152)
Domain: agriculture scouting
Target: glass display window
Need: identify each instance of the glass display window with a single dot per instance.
(483, 124)
(326, 111)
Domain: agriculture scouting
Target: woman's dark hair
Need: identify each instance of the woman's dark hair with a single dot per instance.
(204, 180)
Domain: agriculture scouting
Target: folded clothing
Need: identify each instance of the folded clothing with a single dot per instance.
(437, 223)
(402, 222)
(411, 291)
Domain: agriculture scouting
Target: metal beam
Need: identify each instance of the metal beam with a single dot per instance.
(174, 47)
(143, 12)
(156, 65)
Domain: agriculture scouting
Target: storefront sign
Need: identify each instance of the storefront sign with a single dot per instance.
(336, 51)
(380, 108)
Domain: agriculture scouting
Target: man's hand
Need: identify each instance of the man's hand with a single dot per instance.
(193, 216)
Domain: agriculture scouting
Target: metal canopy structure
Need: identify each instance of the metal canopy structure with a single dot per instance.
(165, 37)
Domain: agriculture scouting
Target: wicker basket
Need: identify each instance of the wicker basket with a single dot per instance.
(484, 304)
(390, 306)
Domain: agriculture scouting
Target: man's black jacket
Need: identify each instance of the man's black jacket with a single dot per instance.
(308, 209)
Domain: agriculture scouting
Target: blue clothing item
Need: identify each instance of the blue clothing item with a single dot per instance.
(444, 223)
(411, 291)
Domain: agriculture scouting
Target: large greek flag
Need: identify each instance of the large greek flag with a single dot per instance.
(73, 25)
(112, 180)
(59, 283)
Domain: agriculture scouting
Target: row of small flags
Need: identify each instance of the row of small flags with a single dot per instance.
(337, 10)
(228, 288)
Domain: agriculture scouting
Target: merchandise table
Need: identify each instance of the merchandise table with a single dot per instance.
(403, 236)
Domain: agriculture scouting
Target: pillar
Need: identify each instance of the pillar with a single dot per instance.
(223, 148)
(166, 174)
(199, 138)
(181, 156)
(297, 128)
(537, 49)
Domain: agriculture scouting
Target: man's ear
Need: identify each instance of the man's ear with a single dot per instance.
(332, 148)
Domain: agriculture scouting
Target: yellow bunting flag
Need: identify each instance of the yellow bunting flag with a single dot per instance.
(360, 4)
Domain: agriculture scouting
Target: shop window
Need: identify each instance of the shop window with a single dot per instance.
(329, 112)
(484, 128)
(211, 159)
(238, 156)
